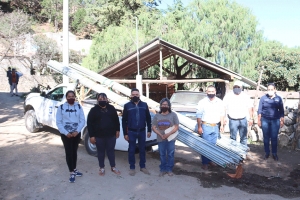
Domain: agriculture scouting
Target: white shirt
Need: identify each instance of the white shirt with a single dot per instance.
(237, 106)
(210, 111)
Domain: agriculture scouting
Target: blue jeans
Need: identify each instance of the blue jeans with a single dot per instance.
(210, 134)
(240, 125)
(133, 136)
(270, 128)
(166, 152)
(106, 145)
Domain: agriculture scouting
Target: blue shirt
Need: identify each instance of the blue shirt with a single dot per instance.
(271, 108)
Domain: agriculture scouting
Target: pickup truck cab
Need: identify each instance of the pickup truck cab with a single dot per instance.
(186, 102)
(40, 110)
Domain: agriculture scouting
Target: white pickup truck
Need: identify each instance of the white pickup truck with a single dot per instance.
(40, 110)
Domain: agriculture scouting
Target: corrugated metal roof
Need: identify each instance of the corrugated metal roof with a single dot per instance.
(150, 55)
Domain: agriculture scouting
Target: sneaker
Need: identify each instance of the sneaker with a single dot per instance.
(161, 174)
(77, 173)
(145, 171)
(72, 177)
(132, 172)
(17, 95)
(170, 173)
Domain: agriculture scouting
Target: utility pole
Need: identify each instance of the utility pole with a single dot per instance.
(139, 84)
(66, 38)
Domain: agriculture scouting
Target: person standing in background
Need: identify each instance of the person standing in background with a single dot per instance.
(239, 110)
(270, 118)
(13, 79)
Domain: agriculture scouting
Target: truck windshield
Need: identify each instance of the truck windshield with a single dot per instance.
(186, 98)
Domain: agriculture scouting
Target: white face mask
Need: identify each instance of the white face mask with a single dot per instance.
(271, 93)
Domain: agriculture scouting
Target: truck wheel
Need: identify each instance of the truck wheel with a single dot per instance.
(90, 148)
(31, 122)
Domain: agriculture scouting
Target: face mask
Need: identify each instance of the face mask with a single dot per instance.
(271, 93)
(237, 90)
(102, 103)
(164, 109)
(71, 101)
(211, 95)
(135, 99)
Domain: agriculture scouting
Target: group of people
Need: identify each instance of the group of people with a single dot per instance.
(237, 106)
(13, 80)
(104, 127)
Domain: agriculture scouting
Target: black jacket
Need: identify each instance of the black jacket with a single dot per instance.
(103, 122)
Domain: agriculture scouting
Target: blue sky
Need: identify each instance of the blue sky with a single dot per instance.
(279, 19)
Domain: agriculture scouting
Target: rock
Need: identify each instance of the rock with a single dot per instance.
(283, 139)
(288, 121)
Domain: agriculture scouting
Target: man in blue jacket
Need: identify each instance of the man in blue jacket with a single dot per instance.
(13, 79)
(136, 116)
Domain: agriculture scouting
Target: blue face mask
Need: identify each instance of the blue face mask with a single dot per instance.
(237, 90)
(211, 95)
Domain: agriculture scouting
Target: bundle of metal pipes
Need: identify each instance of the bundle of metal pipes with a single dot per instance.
(221, 157)
(226, 152)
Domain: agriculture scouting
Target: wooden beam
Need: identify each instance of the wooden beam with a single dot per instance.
(171, 81)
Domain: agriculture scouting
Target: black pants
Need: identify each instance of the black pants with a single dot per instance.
(71, 146)
(106, 145)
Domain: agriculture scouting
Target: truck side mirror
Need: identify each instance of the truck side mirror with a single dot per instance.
(43, 94)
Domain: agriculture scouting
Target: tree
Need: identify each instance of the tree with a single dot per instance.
(281, 66)
(220, 31)
(46, 49)
(14, 27)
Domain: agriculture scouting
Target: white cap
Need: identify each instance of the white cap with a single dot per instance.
(238, 83)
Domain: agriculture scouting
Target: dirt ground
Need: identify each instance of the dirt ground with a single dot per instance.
(33, 166)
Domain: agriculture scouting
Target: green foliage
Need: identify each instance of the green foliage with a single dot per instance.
(47, 49)
(221, 31)
(78, 23)
(281, 66)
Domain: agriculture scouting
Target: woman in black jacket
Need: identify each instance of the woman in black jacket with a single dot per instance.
(104, 128)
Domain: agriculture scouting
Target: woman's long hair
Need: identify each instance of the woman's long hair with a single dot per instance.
(169, 103)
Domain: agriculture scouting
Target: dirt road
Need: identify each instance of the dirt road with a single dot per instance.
(33, 166)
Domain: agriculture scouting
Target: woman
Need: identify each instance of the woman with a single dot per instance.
(270, 118)
(70, 121)
(162, 121)
(104, 128)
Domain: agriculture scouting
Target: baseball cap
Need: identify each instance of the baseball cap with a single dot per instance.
(238, 83)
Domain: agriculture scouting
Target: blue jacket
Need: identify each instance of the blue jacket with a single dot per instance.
(135, 116)
(271, 108)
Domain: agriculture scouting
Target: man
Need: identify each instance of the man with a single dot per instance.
(135, 116)
(210, 113)
(239, 111)
(13, 79)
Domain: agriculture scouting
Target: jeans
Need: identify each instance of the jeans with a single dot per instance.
(270, 128)
(240, 125)
(133, 136)
(71, 146)
(12, 87)
(210, 134)
(166, 152)
(106, 145)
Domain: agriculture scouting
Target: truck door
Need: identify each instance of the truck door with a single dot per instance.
(52, 100)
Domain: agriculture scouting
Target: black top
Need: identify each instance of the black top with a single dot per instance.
(103, 122)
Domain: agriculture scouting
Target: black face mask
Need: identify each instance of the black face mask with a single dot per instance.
(135, 99)
(164, 109)
(102, 103)
(211, 95)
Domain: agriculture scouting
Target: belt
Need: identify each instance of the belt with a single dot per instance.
(136, 130)
(235, 119)
(211, 124)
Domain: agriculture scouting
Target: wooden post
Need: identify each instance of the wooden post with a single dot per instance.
(297, 137)
(256, 95)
